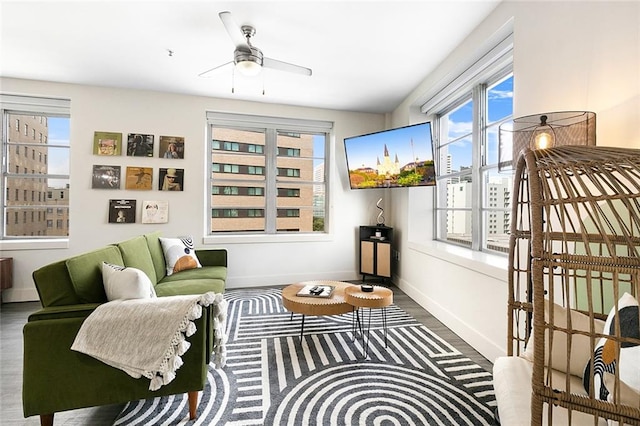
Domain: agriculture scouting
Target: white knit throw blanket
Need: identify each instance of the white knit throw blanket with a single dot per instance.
(146, 337)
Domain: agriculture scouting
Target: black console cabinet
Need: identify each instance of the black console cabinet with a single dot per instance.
(375, 251)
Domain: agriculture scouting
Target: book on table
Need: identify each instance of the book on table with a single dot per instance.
(315, 290)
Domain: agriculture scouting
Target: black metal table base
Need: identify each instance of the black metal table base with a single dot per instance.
(357, 325)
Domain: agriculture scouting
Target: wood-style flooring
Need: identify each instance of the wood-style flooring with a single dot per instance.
(14, 315)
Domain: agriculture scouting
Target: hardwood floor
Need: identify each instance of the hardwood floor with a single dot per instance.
(14, 315)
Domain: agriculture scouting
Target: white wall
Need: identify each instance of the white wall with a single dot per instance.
(254, 262)
(572, 55)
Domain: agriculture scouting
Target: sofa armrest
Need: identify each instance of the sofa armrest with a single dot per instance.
(69, 311)
(212, 257)
(55, 378)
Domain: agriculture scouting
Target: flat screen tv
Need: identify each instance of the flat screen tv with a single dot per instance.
(394, 158)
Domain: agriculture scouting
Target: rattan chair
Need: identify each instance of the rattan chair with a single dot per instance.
(575, 241)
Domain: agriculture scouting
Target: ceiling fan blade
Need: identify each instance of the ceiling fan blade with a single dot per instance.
(234, 30)
(208, 73)
(285, 66)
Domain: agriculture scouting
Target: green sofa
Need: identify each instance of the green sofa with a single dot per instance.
(55, 378)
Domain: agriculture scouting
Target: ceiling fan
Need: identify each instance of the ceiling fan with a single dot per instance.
(247, 58)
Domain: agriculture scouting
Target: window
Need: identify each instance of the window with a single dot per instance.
(279, 185)
(472, 200)
(26, 170)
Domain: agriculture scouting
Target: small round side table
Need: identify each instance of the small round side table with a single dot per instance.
(379, 298)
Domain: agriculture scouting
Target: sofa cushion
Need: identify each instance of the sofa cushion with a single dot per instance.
(121, 283)
(580, 344)
(54, 285)
(179, 254)
(206, 272)
(157, 255)
(85, 271)
(512, 385)
(135, 253)
(189, 286)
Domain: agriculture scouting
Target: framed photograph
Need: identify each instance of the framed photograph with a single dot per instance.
(105, 177)
(155, 212)
(171, 147)
(122, 211)
(107, 143)
(139, 145)
(139, 178)
(171, 179)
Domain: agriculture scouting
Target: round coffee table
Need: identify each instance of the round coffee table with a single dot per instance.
(380, 297)
(334, 305)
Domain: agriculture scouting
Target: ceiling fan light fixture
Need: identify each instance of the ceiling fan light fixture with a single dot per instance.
(248, 63)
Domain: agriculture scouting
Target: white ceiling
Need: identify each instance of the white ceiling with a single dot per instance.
(365, 55)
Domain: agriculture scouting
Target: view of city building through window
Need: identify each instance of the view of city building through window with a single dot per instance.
(267, 180)
(35, 175)
(473, 199)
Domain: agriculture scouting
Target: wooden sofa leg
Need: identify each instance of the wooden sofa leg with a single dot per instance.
(193, 404)
(46, 419)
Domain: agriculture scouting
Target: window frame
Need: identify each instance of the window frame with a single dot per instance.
(477, 94)
(492, 63)
(271, 126)
(23, 105)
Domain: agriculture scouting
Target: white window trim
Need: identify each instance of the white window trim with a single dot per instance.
(293, 124)
(494, 64)
(38, 105)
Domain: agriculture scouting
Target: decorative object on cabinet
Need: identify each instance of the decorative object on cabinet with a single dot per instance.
(574, 262)
(545, 130)
(380, 218)
(375, 251)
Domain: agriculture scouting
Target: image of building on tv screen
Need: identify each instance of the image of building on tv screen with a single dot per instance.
(400, 157)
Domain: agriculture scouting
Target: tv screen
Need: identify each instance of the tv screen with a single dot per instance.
(394, 158)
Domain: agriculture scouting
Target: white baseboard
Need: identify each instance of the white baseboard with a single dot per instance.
(20, 295)
(489, 349)
(276, 280)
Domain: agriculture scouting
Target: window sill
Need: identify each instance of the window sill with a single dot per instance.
(57, 243)
(492, 265)
(271, 238)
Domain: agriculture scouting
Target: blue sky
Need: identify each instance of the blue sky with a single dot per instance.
(500, 105)
(59, 130)
(365, 150)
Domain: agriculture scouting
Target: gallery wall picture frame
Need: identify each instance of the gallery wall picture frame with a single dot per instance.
(155, 211)
(105, 177)
(171, 179)
(122, 211)
(171, 147)
(139, 178)
(107, 143)
(140, 145)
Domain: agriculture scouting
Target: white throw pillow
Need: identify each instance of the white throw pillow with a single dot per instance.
(179, 254)
(126, 283)
(607, 358)
(580, 344)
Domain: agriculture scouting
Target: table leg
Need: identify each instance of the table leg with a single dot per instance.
(302, 327)
(384, 324)
(365, 347)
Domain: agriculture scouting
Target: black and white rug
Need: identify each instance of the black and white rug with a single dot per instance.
(272, 378)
